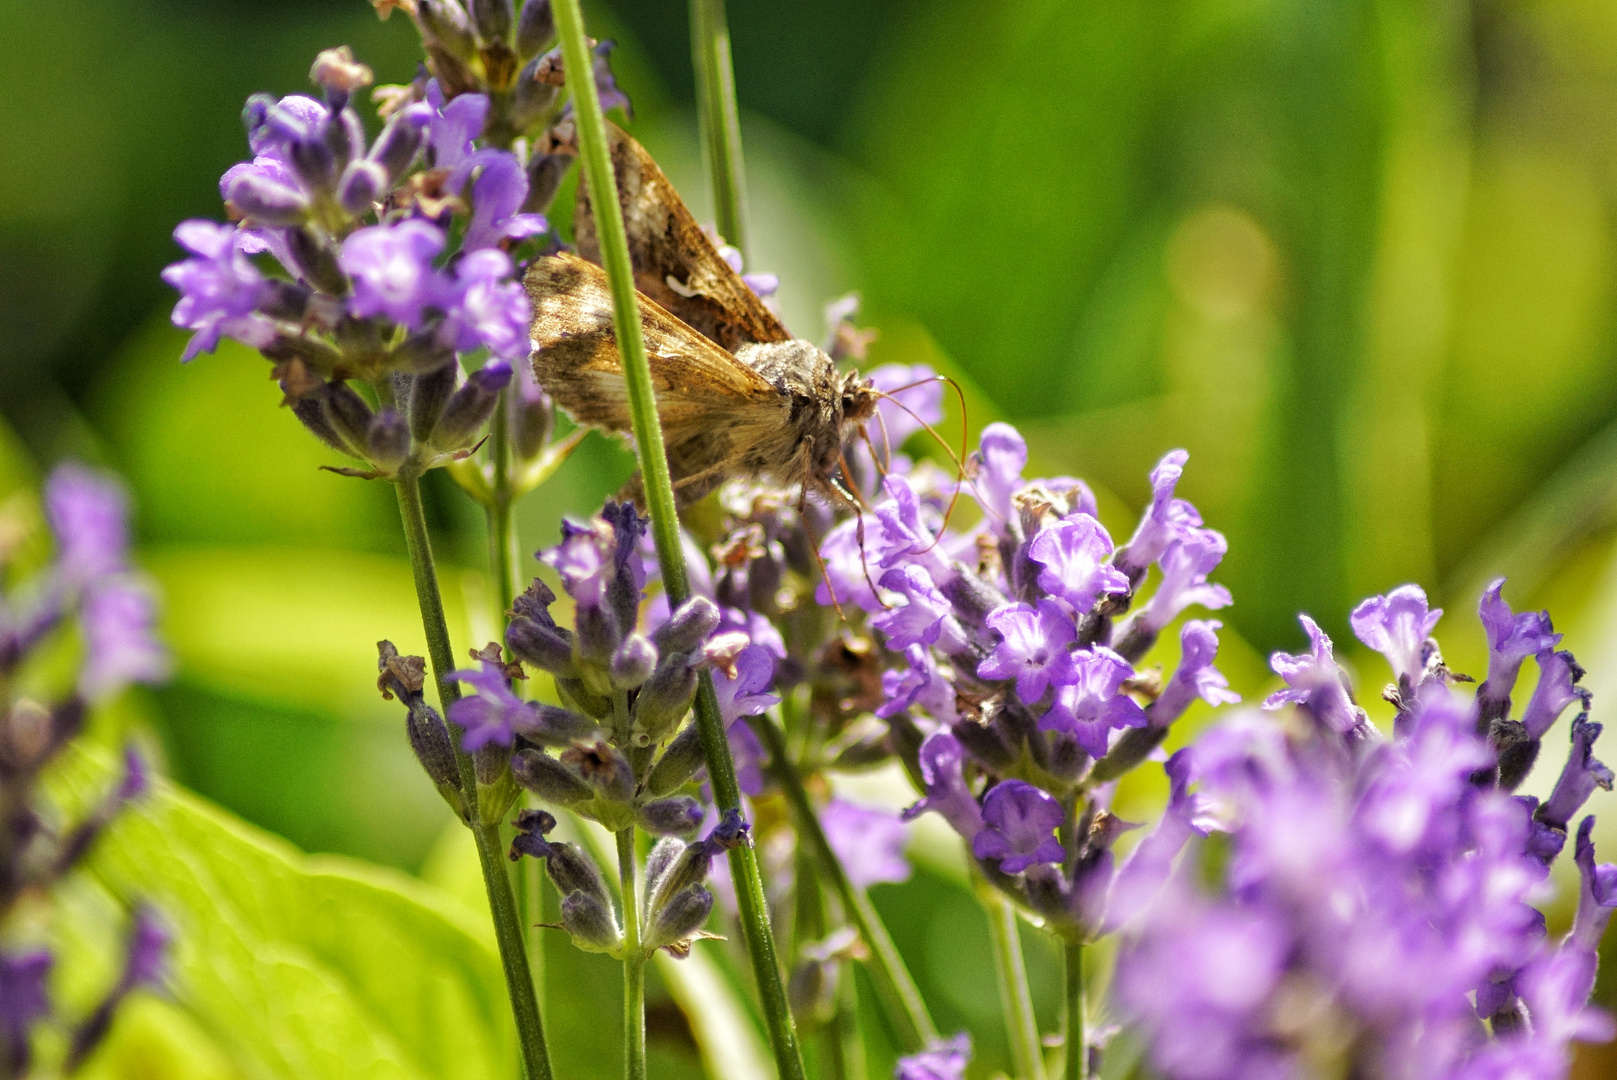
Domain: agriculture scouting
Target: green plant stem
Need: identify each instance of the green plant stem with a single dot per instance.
(901, 998)
(501, 900)
(503, 558)
(1077, 1059)
(1015, 997)
(659, 490)
(634, 964)
(718, 120)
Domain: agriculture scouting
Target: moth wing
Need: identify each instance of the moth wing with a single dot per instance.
(675, 262)
(709, 402)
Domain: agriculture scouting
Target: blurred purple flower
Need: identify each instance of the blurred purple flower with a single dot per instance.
(488, 308)
(454, 126)
(868, 843)
(24, 1001)
(220, 289)
(88, 514)
(747, 693)
(945, 1060)
(849, 571)
(497, 195)
(918, 685)
(119, 620)
(941, 761)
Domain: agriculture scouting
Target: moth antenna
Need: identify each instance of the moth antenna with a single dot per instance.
(814, 546)
(875, 459)
(862, 507)
(958, 459)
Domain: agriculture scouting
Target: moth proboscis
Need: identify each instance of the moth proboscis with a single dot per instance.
(737, 395)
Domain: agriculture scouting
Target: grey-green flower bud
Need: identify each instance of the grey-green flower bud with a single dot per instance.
(678, 763)
(574, 872)
(387, 440)
(315, 262)
(555, 726)
(491, 19)
(680, 815)
(633, 663)
(663, 856)
(590, 923)
(548, 778)
(688, 627)
(427, 397)
(664, 699)
(673, 924)
(445, 22)
(348, 414)
(470, 407)
(536, 28)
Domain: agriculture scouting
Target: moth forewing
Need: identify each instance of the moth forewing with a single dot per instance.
(675, 262)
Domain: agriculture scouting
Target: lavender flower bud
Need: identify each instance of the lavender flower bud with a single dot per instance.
(428, 394)
(344, 136)
(445, 23)
(283, 299)
(264, 201)
(688, 627)
(678, 816)
(491, 19)
(678, 763)
(536, 28)
(633, 663)
(589, 922)
(314, 162)
(548, 648)
(469, 408)
(557, 727)
(429, 738)
(315, 262)
(673, 924)
(362, 186)
(312, 415)
(595, 640)
(533, 417)
(663, 856)
(548, 778)
(490, 763)
(545, 172)
(423, 353)
(395, 149)
(348, 414)
(985, 743)
(387, 440)
(664, 699)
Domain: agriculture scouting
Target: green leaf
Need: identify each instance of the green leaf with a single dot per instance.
(303, 966)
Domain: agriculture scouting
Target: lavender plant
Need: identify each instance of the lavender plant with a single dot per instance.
(90, 592)
(1366, 905)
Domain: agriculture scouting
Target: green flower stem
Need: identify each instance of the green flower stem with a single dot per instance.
(634, 964)
(659, 491)
(501, 900)
(900, 997)
(503, 558)
(1077, 1059)
(1015, 997)
(718, 119)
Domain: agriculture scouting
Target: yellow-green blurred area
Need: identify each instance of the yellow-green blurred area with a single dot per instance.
(1358, 256)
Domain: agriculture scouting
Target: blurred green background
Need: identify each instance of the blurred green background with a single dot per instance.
(1356, 255)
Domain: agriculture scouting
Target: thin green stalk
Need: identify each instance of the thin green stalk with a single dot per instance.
(1077, 1058)
(901, 998)
(634, 964)
(659, 492)
(503, 558)
(1015, 997)
(719, 120)
(502, 902)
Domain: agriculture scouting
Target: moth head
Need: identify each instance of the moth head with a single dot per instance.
(858, 398)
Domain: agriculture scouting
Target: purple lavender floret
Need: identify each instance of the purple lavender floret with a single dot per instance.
(497, 195)
(926, 617)
(88, 515)
(1093, 705)
(1164, 521)
(915, 398)
(1397, 626)
(494, 714)
(869, 843)
(1512, 638)
(998, 464)
(1034, 648)
(1019, 830)
(220, 289)
(119, 618)
(941, 761)
(392, 270)
(1315, 681)
(455, 125)
(1073, 556)
(1195, 677)
(485, 307)
(1558, 675)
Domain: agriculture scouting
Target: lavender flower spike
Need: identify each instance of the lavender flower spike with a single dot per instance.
(1512, 638)
(1073, 555)
(1397, 626)
(1315, 681)
(868, 843)
(1019, 827)
(941, 1061)
(1033, 649)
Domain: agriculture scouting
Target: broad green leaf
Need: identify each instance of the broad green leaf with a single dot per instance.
(303, 966)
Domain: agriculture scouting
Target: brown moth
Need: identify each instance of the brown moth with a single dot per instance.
(738, 396)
